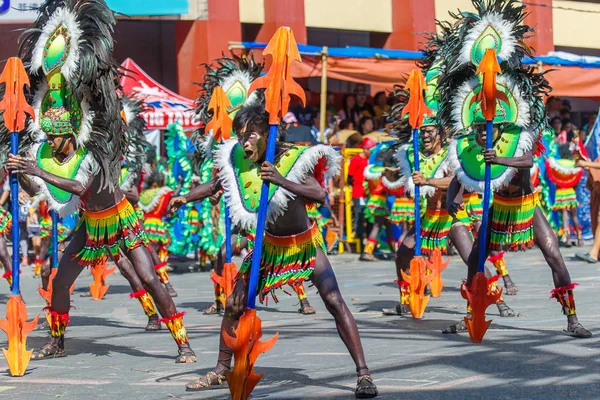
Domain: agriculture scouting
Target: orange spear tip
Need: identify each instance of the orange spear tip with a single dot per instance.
(13, 104)
(220, 122)
(415, 108)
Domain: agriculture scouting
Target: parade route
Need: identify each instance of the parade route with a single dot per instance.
(528, 357)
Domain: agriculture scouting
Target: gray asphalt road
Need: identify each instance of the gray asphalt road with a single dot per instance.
(528, 357)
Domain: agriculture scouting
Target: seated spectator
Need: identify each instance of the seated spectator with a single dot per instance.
(346, 135)
(556, 124)
(364, 108)
(349, 111)
(381, 108)
(304, 114)
(553, 106)
(590, 123)
(331, 108)
(365, 125)
(294, 132)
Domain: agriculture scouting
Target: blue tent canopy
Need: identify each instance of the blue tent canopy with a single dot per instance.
(556, 58)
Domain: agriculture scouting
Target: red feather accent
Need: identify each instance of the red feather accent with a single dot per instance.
(562, 289)
(172, 317)
(138, 294)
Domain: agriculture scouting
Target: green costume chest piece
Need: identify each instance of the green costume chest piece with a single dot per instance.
(148, 195)
(471, 157)
(429, 165)
(249, 182)
(67, 169)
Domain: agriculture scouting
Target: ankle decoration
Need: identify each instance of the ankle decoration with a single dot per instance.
(499, 263)
(493, 287)
(404, 291)
(8, 276)
(38, 266)
(219, 294)
(370, 247)
(145, 300)
(161, 271)
(163, 253)
(176, 327)
(579, 234)
(565, 297)
(300, 291)
(58, 322)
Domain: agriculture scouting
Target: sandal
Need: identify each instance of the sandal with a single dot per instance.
(460, 326)
(308, 310)
(577, 330)
(48, 351)
(153, 324)
(210, 381)
(400, 309)
(86, 294)
(505, 310)
(214, 309)
(186, 356)
(365, 388)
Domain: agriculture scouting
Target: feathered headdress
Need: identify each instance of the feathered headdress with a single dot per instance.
(498, 25)
(137, 145)
(234, 75)
(68, 52)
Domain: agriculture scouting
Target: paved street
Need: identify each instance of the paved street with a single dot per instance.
(112, 357)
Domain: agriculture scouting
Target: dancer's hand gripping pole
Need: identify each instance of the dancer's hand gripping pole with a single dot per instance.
(478, 294)
(15, 109)
(416, 111)
(279, 86)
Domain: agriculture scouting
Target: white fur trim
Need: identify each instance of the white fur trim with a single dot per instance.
(466, 88)
(278, 204)
(504, 28)
(69, 20)
(369, 175)
(88, 167)
(147, 208)
(526, 140)
(563, 170)
(392, 185)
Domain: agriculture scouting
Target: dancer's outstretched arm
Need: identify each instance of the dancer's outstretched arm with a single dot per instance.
(198, 193)
(21, 165)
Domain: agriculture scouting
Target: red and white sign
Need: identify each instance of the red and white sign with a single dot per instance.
(164, 106)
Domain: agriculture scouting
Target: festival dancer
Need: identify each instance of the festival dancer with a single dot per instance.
(520, 118)
(78, 111)
(293, 247)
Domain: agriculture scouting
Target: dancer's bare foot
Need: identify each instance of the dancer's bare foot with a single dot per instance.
(214, 309)
(170, 289)
(365, 387)
(186, 355)
(509, 286)
(505, 310)
(306, 308)
(55, 348)
(400, 309)
(153, 324)
(86, 294)
(211, 380)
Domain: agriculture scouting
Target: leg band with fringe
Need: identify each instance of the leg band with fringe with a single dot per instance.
(107, 229)
(370, 247)
(512, 222)
(499, 263)
(176, 327)
(58, 323)
(566, 298)
(300, 291)
(8, 276)
(161, 271)
(286, 260)
(404, 291)
(146, 301)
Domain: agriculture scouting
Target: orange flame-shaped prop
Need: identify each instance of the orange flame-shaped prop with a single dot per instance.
(47, 294)
(17, 328)
(220, 122)
(227, 280)
(100, 272)
(436, 265)
(415, 108)
(278, 82)
(417, 280)
(13, 104)
(480, 296)
(280, 86)
(242, 380)
(489, 94)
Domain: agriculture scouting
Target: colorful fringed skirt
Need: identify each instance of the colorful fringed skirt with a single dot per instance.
(286, 260)
(565, 199)
(45, 227)
(435, 228)
(316, 216)
(5, 221)
(376, 207)
(156, 231)
(106, 230)
(512, 222)
(403, 210)
(473, 206)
